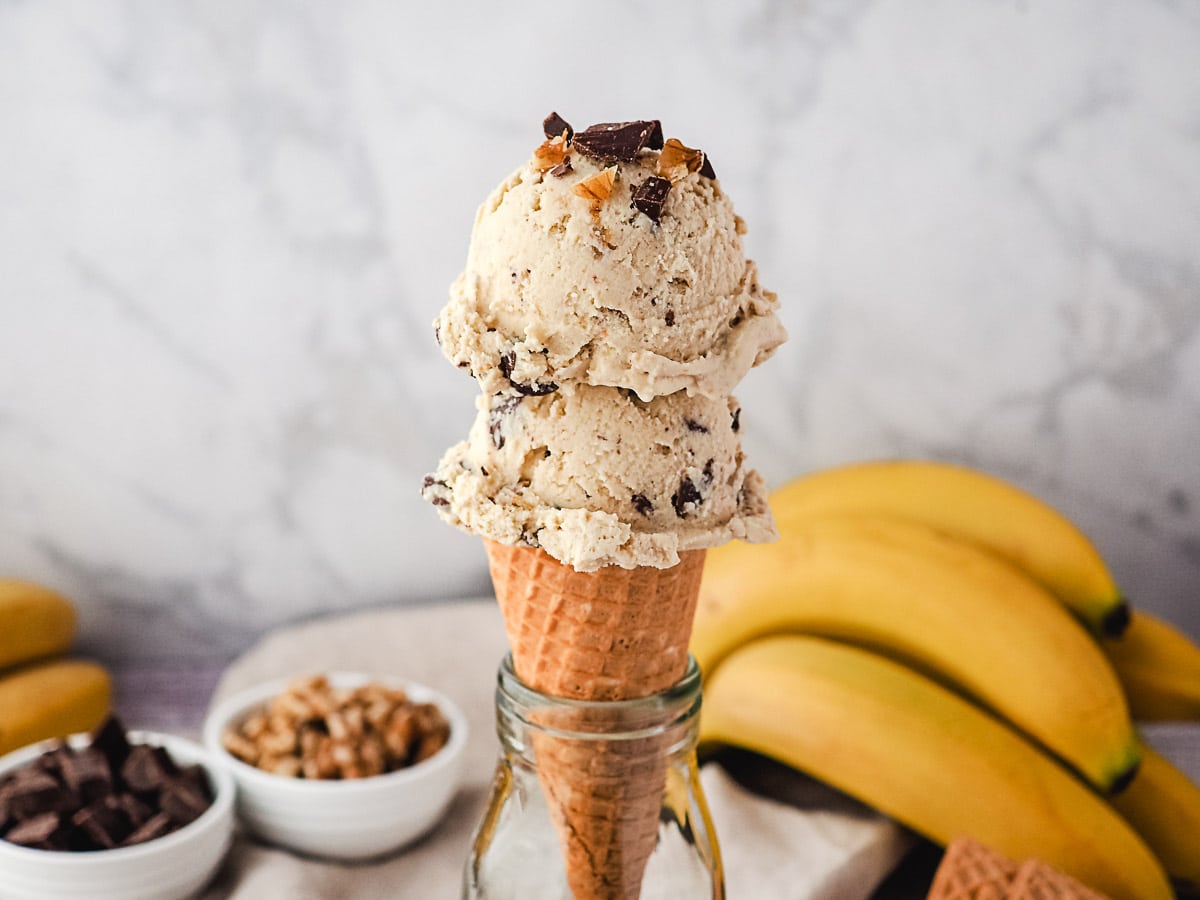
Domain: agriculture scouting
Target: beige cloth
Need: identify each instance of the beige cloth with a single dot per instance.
(817, 845)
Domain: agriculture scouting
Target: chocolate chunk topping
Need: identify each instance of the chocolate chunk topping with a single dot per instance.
(707, 168)
(669, 317)
(496, 417)
(651, 195)
(619, 140)
(554, 125)
(737, 420)
(687, 495)
(693, 425)
(563, 168)
(642, 504)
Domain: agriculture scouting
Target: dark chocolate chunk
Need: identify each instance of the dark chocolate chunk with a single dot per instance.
(687, 496)
(737, 420)
(41, 831)
(110, 740)
(563, 168)
(434, 490)
(86, 772)
(619, 140)
(134, 809)
(183, 803)
(707, 168)
(693, 425)
(143, 771)
(194, 777)
(154, 827)
(508, 362)
(102, 827)
(34, 792)
(5, 805)
(497, 416)
(642, 504)
(669, 317)
(554, 125)
(651, 195)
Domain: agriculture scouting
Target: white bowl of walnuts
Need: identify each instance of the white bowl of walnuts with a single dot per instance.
(340, 765)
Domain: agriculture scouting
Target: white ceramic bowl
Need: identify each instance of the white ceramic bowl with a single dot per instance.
(345, 820)
(174, 866)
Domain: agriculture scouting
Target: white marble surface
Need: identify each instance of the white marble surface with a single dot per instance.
(225, 228)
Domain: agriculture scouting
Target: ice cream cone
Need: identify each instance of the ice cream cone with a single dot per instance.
(610, 635)
(971, 871)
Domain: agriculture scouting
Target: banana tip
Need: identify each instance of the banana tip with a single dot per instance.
(1116, 620)
(1124, 778)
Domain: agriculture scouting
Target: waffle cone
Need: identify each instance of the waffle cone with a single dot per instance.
(609, 635)
(1036, 880)
(972, 871)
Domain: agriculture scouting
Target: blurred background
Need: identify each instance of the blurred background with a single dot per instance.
(226, 227)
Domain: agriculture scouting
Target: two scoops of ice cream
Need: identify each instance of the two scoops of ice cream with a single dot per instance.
(607, 311)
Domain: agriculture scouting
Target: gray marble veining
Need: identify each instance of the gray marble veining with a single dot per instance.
(225, 229)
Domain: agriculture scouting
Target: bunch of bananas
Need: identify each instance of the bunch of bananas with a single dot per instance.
(954, 652)
(42, 693)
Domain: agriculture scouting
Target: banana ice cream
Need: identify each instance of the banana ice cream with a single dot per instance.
(597, 477)
(560, 288)
(607, 310)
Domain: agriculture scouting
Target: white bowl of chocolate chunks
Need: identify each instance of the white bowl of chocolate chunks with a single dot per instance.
(112, 816)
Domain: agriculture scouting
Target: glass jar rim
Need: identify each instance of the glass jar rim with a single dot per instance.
(646, 715)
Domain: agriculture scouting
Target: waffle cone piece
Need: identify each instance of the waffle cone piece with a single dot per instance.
(609, 635)
(972, 871)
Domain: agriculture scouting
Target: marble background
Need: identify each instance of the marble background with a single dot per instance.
(225, 228)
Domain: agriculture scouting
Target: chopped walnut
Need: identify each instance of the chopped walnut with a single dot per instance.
(676, 161)
(313, 730)
(597, 189)
(550, 153)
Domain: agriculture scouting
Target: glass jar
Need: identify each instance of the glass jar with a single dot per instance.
(595, 800)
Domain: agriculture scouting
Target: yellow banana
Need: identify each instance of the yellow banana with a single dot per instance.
(1163, 806)
(34, 622)
(1159, 667)
(51, 699)
(923, 755)
(973, 505)
(947, 607)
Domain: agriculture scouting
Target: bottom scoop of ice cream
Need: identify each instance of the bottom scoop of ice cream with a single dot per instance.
(597, 477)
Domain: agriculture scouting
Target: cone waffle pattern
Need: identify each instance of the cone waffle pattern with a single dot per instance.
(613, 634)
(971, 871)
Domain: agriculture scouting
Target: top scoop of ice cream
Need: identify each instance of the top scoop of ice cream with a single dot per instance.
(562, 287)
